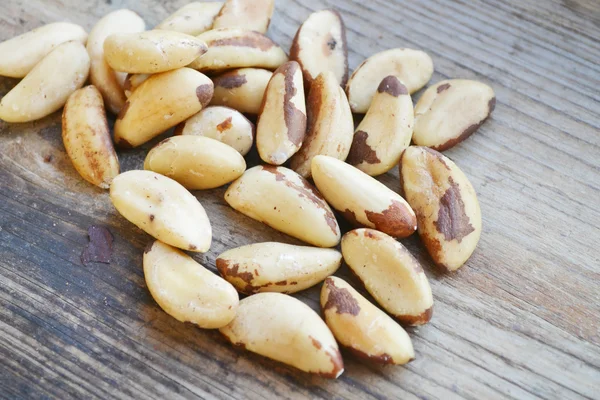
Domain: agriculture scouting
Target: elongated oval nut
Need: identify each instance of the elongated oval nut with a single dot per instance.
(186, 290)
(196, 162)
(242, 89)
(230, 48)
(446, 205)
(281, 122)
(390, 274)
(285, 329)
(320, 45)
(252, 15)
(277, 267)
(413, 67)
(361, 199)
(151, 52)
(86, 137)
(193, 18)
(161, 102)
(385, 131)
(162, 208)
(330, 124)
(134, 81)
(21, 53)
(451, 111)
(48, 86)
(223, 124)
(285, 201)
(363, 328)
(108, 81)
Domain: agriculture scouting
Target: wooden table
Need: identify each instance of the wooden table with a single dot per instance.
(520, 320)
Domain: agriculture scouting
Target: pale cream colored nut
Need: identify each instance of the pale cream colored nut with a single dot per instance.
(413, 67)
(451, 111)
(162, 208)
(446, 205)
(193, 18)
(285, 329)
(385, 131)
(49, 84)
(186, 290)
(151, 52)
(196, 162)
(330, 125)
(390, 274)
(242, 89)
(230, 48)
(361, 199)
(277, 267)
(161, 102)
(320, 45)
(133, 81)
(108, 81)
(283, 200)
(86, 137)
(252, 15)
(21, 53)
(223, 124)
(362, 328)
(281, 124)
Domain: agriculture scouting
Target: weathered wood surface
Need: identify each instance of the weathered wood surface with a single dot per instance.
(520, 320)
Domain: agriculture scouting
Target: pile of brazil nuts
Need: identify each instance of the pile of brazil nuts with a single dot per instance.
(208, 70)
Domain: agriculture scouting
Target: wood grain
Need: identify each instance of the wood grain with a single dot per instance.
(520, 320)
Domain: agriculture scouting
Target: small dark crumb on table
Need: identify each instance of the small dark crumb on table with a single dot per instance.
(99, 249)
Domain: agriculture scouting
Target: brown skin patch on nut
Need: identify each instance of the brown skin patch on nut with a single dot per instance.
(151, 217)
(204, 94)
(434, 248)
(341, 299)
(309, 192)
(350, 217)
(338, 365)
(414, 320)
(248, 39)
(123, 110)
(392, 86)
(329, 45)
(396, 220)
(295, 120)
(225, 125)
(443, 87)
(360, 151)
(224, 268)
(382, 359)
(315, 343)
(192, 247)
(230, 80)
(437, 155)
(124, 144)
(453, 222)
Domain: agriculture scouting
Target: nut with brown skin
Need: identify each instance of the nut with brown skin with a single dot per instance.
(22, 53)
(242, 89)
(162, 208)
(285, 329)
(320, 46)
(161, 102)
(390, 274)
(361, 199)
(152, 51)
(281, 125)
(330, 124)
(196, 162)
(186, 290)
(277, 267)
(385, 131)
(49, 84)
(86, 137)
(285, 201)
(413, 67)
(450, 111)
(361, 327)
(108, 81)
(193, 18)
(446, 205)
(252, 15)
(134, 81)
(230, 48)
(223, 124)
